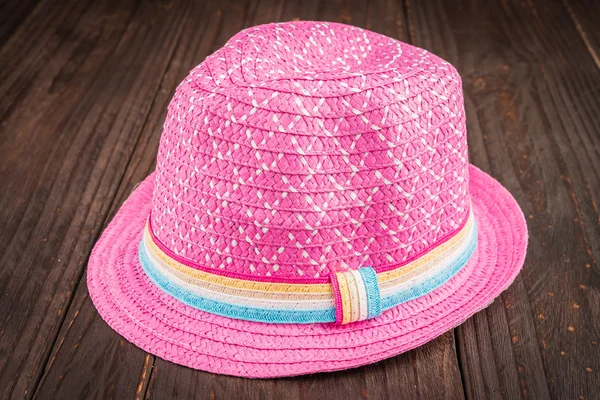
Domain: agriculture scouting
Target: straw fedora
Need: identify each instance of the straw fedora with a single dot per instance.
(312, 209)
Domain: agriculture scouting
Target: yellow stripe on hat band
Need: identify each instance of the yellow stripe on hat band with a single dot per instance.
(354, 296)
(345, 294)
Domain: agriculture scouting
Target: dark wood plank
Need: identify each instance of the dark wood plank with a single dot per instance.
(12, 14)
(76, 90)
(533, 123)
(300, 10)
(387, 17)
(50, 33)
(344, 11)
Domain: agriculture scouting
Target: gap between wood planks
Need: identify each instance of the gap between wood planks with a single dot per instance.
(582, 32)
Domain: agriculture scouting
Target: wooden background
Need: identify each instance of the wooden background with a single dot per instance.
(84, 86)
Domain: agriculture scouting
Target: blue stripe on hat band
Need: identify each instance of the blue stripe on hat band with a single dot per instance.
(374, 300)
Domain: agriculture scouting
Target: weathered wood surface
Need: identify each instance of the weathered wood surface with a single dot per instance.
(77, 83)
(84, 89)
(533, 124)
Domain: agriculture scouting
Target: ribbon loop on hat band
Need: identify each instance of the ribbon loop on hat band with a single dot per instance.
(347, 296)
(356, 294)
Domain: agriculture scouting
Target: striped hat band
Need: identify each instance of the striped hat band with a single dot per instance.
(350, 296)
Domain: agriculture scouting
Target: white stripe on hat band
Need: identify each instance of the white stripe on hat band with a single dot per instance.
(362, 295)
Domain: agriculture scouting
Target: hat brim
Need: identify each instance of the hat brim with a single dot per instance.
(156, 322)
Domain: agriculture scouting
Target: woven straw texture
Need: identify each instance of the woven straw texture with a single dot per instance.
(301, 149)
(296, 152)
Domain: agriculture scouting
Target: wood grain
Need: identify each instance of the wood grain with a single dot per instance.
(532, 125)
(202, 30)
(585, 17)
(14, 12)
(67, 135)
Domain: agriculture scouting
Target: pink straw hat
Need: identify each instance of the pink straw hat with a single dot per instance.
(312, 209)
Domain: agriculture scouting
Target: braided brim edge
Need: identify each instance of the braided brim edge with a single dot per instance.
(135, 308)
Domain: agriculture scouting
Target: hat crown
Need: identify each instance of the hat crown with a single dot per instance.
(306, 148)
